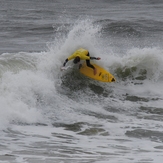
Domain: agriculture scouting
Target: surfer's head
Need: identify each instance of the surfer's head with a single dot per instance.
(76, 60)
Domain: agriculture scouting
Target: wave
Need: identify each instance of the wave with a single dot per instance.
(34, 90)
(141, 64)
(15, 62)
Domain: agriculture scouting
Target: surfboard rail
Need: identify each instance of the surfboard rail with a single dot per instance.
(101, 75)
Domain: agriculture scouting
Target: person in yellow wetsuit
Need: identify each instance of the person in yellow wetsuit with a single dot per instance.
(81, 54)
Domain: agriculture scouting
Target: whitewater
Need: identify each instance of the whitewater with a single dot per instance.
(49, 115)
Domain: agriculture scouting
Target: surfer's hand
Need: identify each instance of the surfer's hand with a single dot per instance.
(98, 58)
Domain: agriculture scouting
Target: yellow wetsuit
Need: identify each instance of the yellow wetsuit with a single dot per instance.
(82, 53)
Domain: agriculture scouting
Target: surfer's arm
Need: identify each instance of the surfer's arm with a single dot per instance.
(95, 58)
(64, 64)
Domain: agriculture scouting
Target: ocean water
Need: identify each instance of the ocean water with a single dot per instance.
(49, 116)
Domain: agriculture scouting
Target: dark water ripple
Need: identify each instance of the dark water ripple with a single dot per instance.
(156, 136)
(152, 110)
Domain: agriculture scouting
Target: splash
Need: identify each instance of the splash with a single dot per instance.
(141, 64)
(83, 33)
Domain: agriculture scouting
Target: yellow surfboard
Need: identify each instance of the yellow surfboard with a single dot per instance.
(101, 75)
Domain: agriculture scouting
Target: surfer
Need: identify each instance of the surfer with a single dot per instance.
(81, 54)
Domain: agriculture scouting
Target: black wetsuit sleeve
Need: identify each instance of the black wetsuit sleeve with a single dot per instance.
(93, 58)
(65, 62)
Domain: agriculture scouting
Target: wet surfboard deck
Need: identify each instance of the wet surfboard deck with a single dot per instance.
(101, 75)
